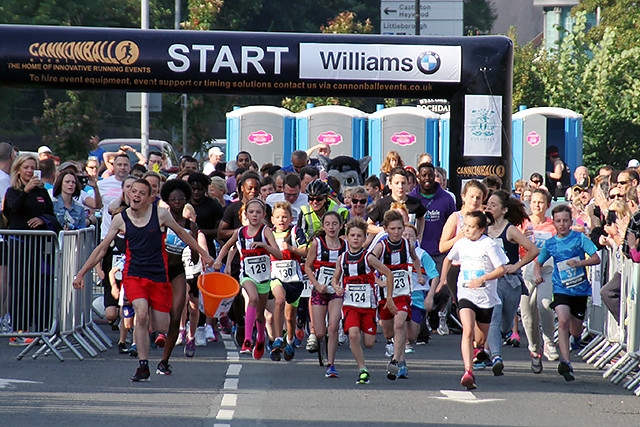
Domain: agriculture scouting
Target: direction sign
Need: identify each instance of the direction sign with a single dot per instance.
(437, 17)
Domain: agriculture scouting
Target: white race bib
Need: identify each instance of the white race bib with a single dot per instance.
(258, 268)
(287, 271)
(571, 276)
(470, 269)
(357, 295)
(118, 259)
(308, 287)
(325, 274)
(540, 237)
(401, 283)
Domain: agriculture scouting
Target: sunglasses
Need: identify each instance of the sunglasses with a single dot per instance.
(616, 196)
(316, 198)
(535, 181)
(360, 201)
(622, 182)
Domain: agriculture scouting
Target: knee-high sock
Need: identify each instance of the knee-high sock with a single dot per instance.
(249, 321)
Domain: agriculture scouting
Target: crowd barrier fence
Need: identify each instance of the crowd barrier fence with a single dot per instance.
(37, 300)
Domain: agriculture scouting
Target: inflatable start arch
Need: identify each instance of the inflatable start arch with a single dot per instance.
(474, 73)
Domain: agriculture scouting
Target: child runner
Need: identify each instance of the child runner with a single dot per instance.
(422, 295)
(570, 285)
(399, 256)
(286, 278)
(255, 242)
(354, 280)
(322, 256)
(481, 263)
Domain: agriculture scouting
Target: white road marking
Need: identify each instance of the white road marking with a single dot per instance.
(229, 400)
(462, 396)
(233, 356)
(231, 384)
(4, 382)
(225, 414)
(234, 370)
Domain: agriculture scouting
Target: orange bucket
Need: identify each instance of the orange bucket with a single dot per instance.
(217, 291)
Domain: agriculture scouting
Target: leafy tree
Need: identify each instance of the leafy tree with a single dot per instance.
(478, 17)
(528, 88)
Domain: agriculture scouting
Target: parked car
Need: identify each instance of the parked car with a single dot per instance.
(113, 144)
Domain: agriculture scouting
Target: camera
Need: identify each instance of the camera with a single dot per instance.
(84, 180)
(611, 217)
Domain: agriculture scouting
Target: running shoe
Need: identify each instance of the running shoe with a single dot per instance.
(299, 334)
(363, 377)
(515, 339)
(507, 338)
(536, 363)
(443, 328)
(258, 350)
(190, 348)
(182, 337)
(122, 348)
(133, 350)
(468, 380)
(498, 366)
(566, 370)
(403, 372)
(408, 348)
(388, 350)
(160, 340)
(479, 355)
(289, 352)
(312, 343)
(276, 350)
(246, 347)
(331, 372)
(574, 343)
(142, 374)
(225, 325)
(342, 337)
(551, 352)
(152, 340)
(201, 337)
(297, 343)
(392, 370)
(209, 333)
(164, 368)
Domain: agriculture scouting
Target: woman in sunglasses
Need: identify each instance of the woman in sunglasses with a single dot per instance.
(359, 201)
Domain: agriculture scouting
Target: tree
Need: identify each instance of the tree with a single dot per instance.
(478, 17)
(528, 88)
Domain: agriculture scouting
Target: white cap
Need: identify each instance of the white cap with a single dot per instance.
(633, 163)
(45, 149)
(215, 151)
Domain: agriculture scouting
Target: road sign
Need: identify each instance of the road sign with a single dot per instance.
(134, 102)
(437, 17)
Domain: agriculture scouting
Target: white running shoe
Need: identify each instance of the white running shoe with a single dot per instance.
(342, 337)
(388, 350)
(550, 351)
(208, 333)
(201, 337)
(443, 328)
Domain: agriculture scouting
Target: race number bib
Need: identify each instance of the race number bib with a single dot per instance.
(308, 287)
(470, 269)
(258, 268)
(540, 237)
(401, 283)
(118, 261)
(357, 295)
(571, 276)
(286, 271)
(325, 274)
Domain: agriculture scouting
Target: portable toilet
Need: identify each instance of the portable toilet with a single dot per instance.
(410, 131)
(265, 131)
(535, 129)
(443, 140)
(342, 128)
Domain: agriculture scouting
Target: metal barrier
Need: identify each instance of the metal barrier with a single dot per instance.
(29, 288)
(38, 301)
(616, 345)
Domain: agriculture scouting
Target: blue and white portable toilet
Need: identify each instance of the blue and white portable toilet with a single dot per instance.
(342, 128)
(410, 131)
(535, 129)
(445, 147)
(265, 131)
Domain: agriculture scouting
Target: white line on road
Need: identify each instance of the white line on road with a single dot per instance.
(225, 414)
(233, 356)
(229, 400)
(463, 397)
(7, 381)
(231, 384)
(234, 370)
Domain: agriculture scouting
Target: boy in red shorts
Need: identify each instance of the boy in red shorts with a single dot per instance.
(354, 280)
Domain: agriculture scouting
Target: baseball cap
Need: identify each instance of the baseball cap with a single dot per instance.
(44, 149)
(633, 163)
(215, 151)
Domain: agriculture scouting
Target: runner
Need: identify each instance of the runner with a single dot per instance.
(145, 275)
(399, 256)
(481, 263)
(324, 251)
(354, 280)
(255, 242)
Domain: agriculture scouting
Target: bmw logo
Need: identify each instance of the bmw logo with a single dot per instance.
(429, 62)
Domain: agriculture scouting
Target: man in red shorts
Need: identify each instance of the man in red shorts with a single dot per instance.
(145, 278)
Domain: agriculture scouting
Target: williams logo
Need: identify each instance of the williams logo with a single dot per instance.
(390, 62)
(100, 52)
(429, 62)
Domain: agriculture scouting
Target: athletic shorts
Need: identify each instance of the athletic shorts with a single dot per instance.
(361, 318)
(322, 299)
(403, 303)
(263, 288)
(483, 315)
(175, 266)
(292, 290)
(157, 294)
(194, 291)
(577, 304)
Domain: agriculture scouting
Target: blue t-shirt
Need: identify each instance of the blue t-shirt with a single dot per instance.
(567, 280)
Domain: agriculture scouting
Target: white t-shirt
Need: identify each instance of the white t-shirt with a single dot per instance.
(295, 207)
(110, 189)
(5, 183)
(476, 259)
